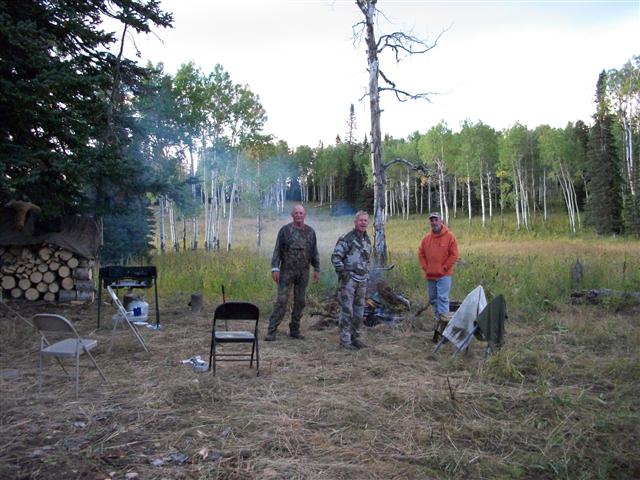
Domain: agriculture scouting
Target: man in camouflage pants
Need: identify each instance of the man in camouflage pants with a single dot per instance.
(351, 260)
(296, 248)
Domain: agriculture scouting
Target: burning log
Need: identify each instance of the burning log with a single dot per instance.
(383, 305)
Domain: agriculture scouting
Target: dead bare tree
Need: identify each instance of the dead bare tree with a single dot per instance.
(401, 45)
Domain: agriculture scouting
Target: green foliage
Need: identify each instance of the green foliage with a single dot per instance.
(127, 236)
(605, 203)
(243, 272)
(63, 130)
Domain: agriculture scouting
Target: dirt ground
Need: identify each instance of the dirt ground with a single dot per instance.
(392, 410)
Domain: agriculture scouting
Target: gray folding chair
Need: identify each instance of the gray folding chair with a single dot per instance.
(124, 317)
(71, 347)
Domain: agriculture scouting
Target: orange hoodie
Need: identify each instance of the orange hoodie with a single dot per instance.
(438, 253)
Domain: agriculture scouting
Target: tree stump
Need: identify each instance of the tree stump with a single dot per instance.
(196, 302)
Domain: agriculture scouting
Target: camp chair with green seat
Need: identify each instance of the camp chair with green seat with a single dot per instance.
(124, 317)
(488, 326)
(70, 347)
(238, 314)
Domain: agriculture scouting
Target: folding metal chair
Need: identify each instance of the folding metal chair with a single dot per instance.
(237, 314)
(71, 347)
(124, 317)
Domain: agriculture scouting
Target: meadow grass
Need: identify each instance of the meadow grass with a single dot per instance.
(558, 400)
(531, 268)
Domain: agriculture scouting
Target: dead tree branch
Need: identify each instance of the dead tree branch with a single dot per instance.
(403, 44)
(414, 167)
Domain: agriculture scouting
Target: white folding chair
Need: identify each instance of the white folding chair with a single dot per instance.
(71, 347)
(124, 317)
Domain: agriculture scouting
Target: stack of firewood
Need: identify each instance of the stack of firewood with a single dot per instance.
(47, 272)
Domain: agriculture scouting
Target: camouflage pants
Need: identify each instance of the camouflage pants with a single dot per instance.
(296, 280)
(352, 300)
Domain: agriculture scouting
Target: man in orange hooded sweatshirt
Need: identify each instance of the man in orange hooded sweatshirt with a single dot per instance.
(438, 254)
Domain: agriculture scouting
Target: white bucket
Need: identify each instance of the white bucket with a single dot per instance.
(140, 310)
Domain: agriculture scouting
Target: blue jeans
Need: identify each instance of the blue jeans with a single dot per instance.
(439, 294)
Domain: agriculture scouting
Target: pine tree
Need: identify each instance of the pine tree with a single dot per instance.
(64, 128)
(605, 182)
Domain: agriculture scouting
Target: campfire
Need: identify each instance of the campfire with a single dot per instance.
(383, 305)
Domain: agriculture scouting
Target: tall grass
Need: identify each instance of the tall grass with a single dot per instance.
(531, 268)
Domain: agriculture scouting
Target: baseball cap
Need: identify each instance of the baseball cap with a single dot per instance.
(434, 215)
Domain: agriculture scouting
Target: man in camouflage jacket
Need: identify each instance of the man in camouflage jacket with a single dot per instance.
(296, 248)
(351, 259)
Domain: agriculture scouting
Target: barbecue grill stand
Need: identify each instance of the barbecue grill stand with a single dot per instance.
(117, 277)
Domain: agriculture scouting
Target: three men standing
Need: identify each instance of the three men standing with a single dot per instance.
(351, 259)
(438, 252)
(296, 248)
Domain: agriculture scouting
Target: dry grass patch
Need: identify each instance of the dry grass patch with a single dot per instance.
(558, 401)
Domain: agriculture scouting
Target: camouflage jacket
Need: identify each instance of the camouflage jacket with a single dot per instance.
(352, 256)
(295, 249)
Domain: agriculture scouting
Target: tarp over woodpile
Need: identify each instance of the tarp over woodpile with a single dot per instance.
(79, 234)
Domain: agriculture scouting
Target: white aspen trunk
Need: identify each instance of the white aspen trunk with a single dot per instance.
(429, 195)
(386, 203)
(516, 202)
(234, 187)
(490, 196)
(408, 192)
(567, 199)
(331, 180)
(403, 204)
(221, 200)
(392, 203)
(283, 195)
(230, 219)
(173, 229)
(368, 8)
(523, 198)
(194, 220)
(484, 218)
(444, 207)
(455, 196)
(469, 197)
(415, 193)
(214, 242)
(533, 194)
(544, 195)
(628, 156)
(575, 202)
(421, 196)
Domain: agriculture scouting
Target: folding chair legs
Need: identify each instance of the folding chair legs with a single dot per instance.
(255, 351)
(134, 329)
(40, 373)
(465, 343)
(77, 372)
(95, 364)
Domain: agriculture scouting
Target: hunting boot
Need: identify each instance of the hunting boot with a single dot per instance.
(355, 341)
(348, 346)
(436, 333)
(270, 336)
(443, 320)
(296, 334)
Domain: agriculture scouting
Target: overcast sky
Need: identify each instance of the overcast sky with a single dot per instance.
(500, 62)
